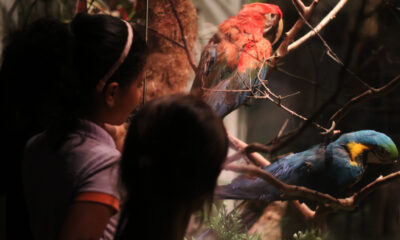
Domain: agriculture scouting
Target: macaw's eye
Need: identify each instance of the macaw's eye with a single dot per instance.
(271, 19)
(379, 152)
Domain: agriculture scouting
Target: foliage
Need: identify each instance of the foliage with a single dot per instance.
(228, 226)
(313, 234)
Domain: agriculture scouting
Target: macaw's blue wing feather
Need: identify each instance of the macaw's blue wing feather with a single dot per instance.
(206, 65)
(304, 169)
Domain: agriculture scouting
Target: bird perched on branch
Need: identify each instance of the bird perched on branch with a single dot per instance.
(330, 169)
(236, 56)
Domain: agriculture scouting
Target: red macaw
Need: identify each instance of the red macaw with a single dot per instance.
(235, 56)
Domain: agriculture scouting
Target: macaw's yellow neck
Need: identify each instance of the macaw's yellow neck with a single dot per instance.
(356, 149)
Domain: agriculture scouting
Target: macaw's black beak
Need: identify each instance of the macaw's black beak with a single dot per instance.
(273, 27)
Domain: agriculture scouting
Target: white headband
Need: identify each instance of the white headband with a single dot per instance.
(117, 64)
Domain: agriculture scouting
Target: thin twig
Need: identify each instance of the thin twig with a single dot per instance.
(295, 76)
(287, 138)
(282, 128)
(363, 193)
(224, 90)
(279, 104)
(331, 53)
(188, 53)
(368, 94)
(162, 35)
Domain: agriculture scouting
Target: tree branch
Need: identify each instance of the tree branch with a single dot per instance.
(162, 35)
(368, 94)
(188, 53)
(287, 138)
(288, 192)
(380, 181)
(292, 33)
(254, 157)
(327, 203)
(331, 15)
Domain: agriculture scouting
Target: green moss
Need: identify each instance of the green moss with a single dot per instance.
(227, 225)
(313, 234)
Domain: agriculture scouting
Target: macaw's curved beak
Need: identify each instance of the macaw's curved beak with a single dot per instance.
(273, 27)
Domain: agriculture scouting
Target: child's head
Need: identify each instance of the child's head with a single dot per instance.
(101, 40)
(172, 156)
(54, 69)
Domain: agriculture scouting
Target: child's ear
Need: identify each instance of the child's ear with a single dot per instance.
(111, 93)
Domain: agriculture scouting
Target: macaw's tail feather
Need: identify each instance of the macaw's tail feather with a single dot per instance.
(247, 188)
(243, 192)
(227, 192)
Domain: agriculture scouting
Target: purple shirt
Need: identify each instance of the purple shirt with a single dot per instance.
(54, 177)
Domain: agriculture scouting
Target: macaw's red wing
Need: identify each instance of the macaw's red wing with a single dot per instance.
(228, 74)
(234, 58)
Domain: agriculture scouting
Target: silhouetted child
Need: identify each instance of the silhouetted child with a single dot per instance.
(172, 156)
(82, 78)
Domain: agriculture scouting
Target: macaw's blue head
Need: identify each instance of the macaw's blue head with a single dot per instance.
(369, 146)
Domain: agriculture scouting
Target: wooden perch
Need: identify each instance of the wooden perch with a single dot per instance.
(327, 203)
(254, 157)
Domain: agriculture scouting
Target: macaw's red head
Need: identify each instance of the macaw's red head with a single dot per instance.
(262, 18)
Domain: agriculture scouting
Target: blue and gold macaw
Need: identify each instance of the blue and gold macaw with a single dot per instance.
(330, 169)
(236, 56)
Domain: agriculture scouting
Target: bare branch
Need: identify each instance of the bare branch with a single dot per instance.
(162, 35)
(292, 33)
(331, 129)
(327, 202)
(295, 76)
(357, 197)
(279, 104)
(188, 53)
(331, 15)
(287, 191)
(254, 157)
(224, 90)
(282, 128)
(303, 209)
(330, 51)
(368, 94)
